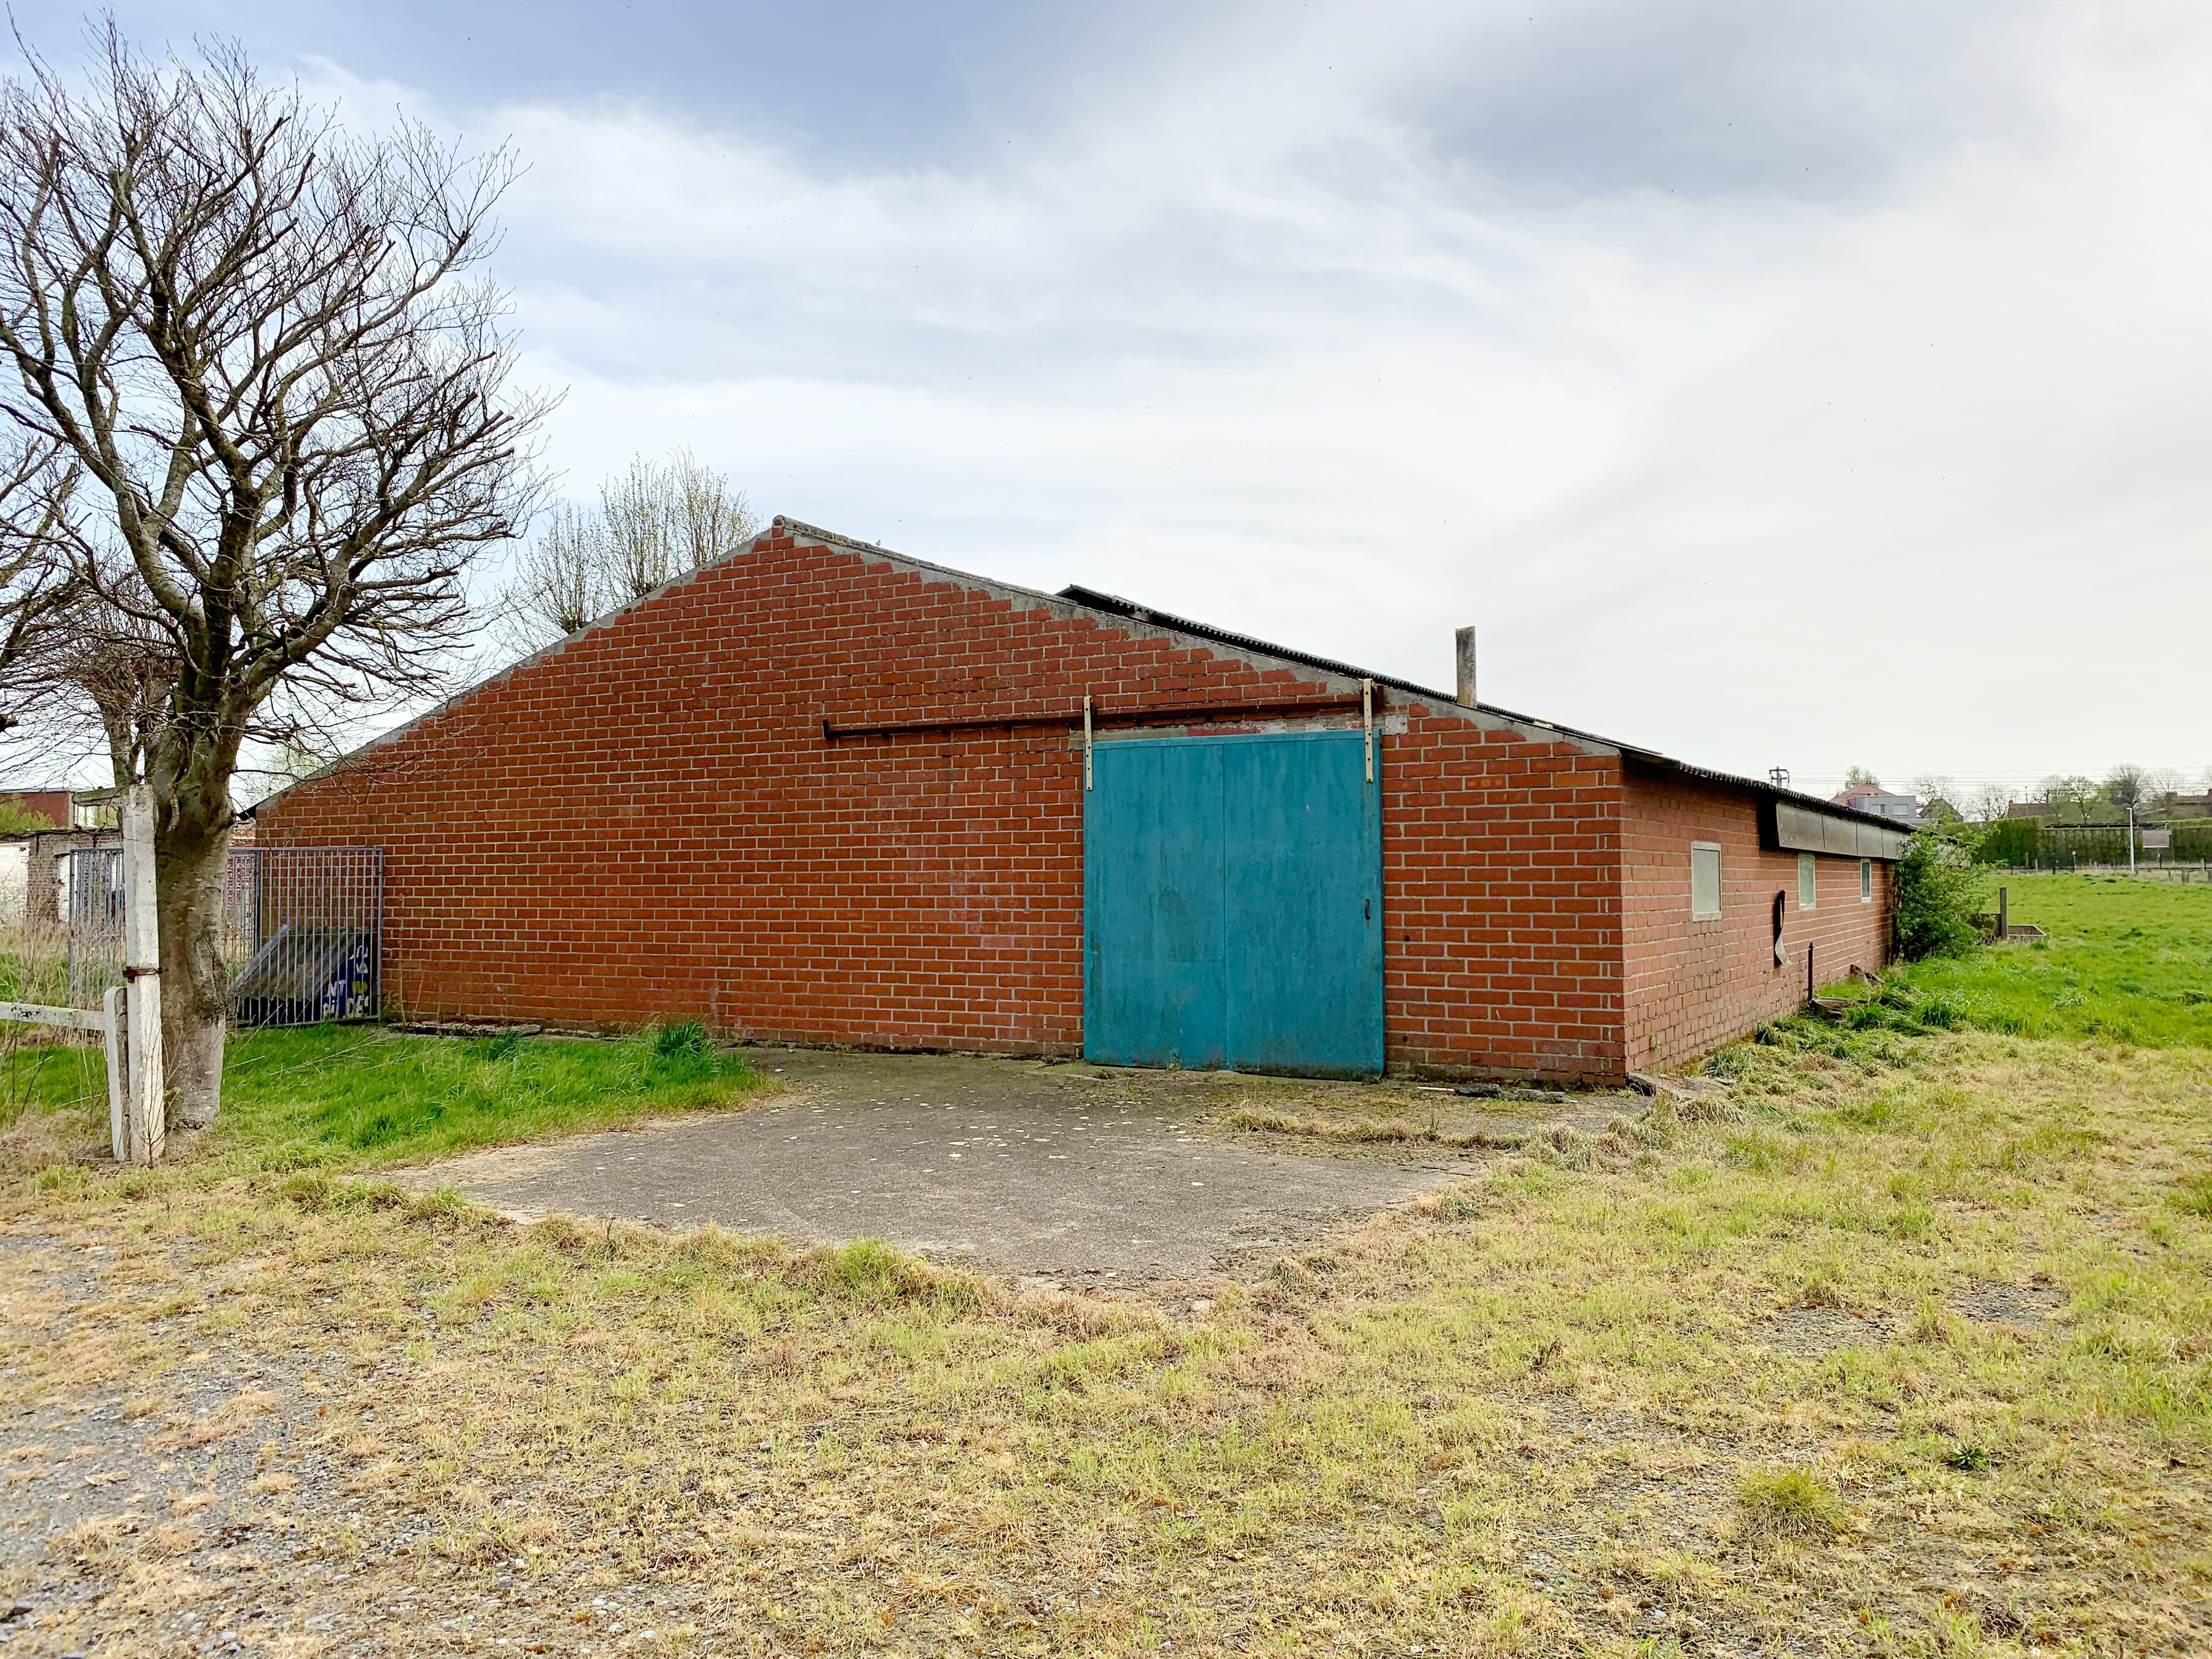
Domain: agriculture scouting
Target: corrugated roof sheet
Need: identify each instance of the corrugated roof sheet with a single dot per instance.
(1092, 599)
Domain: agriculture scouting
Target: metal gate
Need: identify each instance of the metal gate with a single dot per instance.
(93, 906)
(302, 931)
(1233, 904)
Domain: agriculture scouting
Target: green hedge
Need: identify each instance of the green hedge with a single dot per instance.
(2023, 843)
(2009, 841)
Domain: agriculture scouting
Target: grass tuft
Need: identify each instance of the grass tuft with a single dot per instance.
(686, 1040)
(867, 1270)
(1789, 1502)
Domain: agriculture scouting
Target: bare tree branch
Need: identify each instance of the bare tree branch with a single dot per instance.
(654, 521)
(40, 581)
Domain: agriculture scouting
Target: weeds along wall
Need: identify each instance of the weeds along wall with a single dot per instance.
(646, 822)
(1692, 983)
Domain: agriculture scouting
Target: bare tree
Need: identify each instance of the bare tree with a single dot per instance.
(1859, 778)
(563, 581)
(1992, 801)
(115, 671)
(266, 346)
(663, 520)
(72, 663)
(2066, 799)
(716, 520)
(654, 522)
(1940, 798)
(2130, 788)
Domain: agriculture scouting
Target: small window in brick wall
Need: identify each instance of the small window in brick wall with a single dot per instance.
(1704, 881)
(1808, 885)
(1866, 881)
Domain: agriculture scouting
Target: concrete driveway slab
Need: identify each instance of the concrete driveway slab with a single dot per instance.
(1006, 1165)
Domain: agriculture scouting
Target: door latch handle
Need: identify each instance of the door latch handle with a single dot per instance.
(1367, 909)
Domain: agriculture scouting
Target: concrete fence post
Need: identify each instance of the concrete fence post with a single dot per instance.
(117, 1039)
(141, 980)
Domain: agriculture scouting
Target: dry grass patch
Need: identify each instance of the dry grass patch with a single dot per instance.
(1877, 1344)
(1562, 1144)
(218, 1424)
(1393, 1130)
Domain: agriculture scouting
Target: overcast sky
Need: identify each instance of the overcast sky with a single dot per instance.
(1773, 384)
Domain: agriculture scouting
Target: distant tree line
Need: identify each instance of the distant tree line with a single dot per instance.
(2077, 821)
(2154, 795)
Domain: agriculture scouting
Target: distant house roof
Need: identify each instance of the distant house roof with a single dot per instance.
(1872, 798)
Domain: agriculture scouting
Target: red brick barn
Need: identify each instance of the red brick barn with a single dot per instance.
(823, 793)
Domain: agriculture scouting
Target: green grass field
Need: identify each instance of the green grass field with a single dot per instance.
(350, 1096)
(2126, 961)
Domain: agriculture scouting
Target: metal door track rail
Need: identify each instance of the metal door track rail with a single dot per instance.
(1155, 714)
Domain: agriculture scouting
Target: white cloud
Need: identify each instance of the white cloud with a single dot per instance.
(1906, 469)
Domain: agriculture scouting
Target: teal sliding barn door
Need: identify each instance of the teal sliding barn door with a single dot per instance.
(1233, 905)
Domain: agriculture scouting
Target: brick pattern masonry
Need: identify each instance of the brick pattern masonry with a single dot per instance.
(646, 822)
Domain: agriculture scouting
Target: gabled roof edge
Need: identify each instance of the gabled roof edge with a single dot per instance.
(1122, 613)
(1077, 600)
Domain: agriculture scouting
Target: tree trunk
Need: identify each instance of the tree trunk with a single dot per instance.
(194, 988)
(121, 749)
(190, 767)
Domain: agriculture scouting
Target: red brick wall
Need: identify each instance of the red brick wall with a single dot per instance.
(1692, 986)
(646, 823)
(1502, 904)
(52, 805)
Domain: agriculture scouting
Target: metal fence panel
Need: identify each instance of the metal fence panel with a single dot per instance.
(302, 931)
(95, 923)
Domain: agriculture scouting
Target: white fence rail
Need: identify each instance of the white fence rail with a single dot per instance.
(74, 1020)
(112, 1022)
